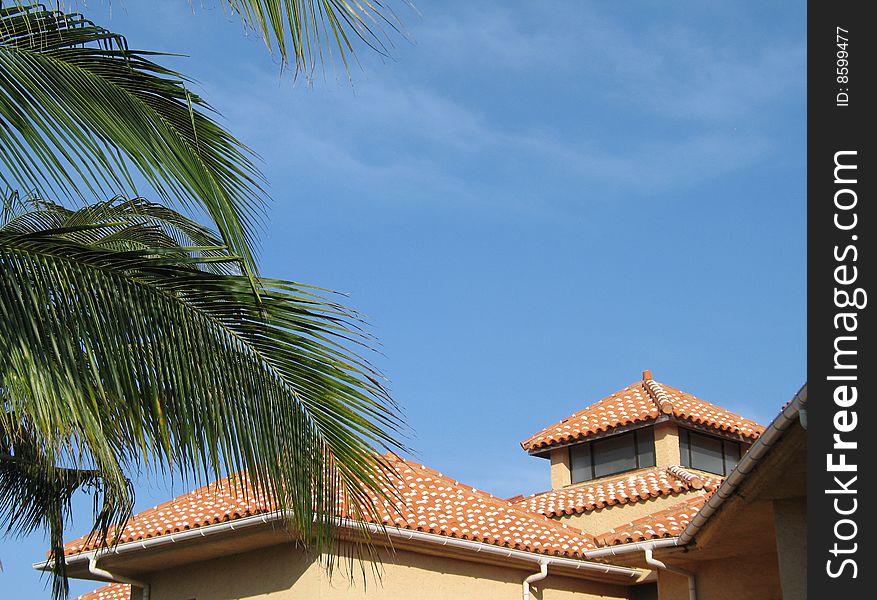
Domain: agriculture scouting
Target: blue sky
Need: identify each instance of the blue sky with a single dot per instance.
(532, 203)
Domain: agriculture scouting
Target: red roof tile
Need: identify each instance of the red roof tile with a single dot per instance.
(205, 506)
(629, 487)
(641, 401)
(113, 591)
(432, 503)
(661, 524)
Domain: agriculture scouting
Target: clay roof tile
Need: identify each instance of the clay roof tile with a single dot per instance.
(633, 486)
(432, 503)
(639, 402)
(661, 524)
(113, 591)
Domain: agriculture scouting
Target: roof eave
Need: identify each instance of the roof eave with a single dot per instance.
(576, 564)
(781, 423)
(543, 451)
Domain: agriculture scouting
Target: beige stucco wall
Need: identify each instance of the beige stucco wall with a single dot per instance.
(666, 444)
(561, 470)
(790, 518)
(724, 579)
(285, 573)
(602, 520)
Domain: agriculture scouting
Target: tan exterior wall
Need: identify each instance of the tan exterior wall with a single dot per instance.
(722, 580)
(666, 444)
(790, 518)
(286, 573)
(561, 469)
(603, 519)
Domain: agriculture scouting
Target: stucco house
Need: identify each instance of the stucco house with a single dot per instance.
(746, 539)
(638, 508)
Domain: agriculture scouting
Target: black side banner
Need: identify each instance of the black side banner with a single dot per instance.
(841, 426)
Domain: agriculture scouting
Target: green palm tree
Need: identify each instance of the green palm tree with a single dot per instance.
(81, 112)
(132, 337)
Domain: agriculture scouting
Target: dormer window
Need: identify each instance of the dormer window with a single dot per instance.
(614, 454)
(707, 452)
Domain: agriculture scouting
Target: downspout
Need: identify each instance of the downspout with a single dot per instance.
(542, 574)
(95, 570)
(652, 561)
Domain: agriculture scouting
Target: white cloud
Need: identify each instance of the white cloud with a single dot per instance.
(395, 138)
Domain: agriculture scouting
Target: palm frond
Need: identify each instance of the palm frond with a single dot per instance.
(122, 224)
(126, 353)
(36, 493)
(82, 114)
(305, 32)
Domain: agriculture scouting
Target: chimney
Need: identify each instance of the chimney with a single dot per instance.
(647, 375)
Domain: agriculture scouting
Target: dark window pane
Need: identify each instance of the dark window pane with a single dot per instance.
(646, 591)
(580, 461)
(645, 447)
(732, 455)
(614, 455)
(684, 448)
(706, 453)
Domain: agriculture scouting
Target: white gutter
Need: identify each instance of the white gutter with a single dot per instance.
(162, 540)
(542, 574)
(114, 577)
(631, 547)
(692, 585)
(747, 463)
(647, 548)
(481, 547)
(397, 532)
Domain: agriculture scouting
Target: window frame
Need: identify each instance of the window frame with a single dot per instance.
(638, 454)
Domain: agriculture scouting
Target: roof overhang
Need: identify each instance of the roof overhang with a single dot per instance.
(132, 559)
(753, 458)
(545, 451)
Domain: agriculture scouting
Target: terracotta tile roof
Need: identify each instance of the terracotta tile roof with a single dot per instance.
(205, 506)
(622, 489)
(641, 401)
(113, 591)
(661, 524)
(433, 503)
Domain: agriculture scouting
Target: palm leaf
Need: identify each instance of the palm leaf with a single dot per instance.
(36, 493)
(306, 32)
(122, 353)
(81, 114)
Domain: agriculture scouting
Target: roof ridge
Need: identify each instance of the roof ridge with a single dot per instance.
(613, 396)
(658, 395)
(692, 479)
(691, 396)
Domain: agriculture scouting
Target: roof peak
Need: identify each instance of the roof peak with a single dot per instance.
(640, 402)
